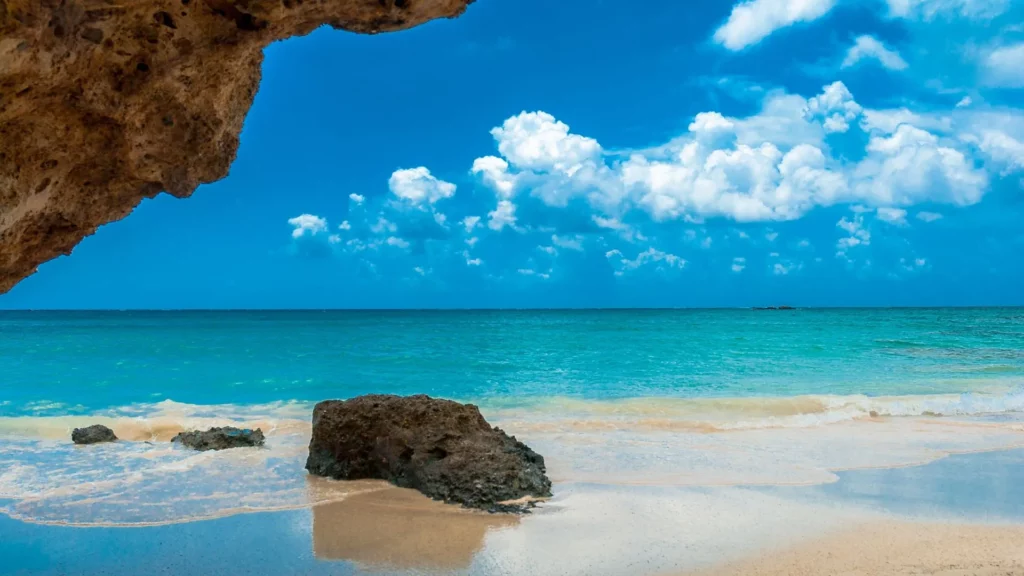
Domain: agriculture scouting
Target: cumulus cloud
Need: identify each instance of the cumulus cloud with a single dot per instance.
(1004, 66)
(912, 166)
(307, 224)
(1006, 151)
(835, 107)
(397, 242)
(650, 257)
(871, 48)
(494, 172)
(356, 198)
(896, 216)
(419, 186)
(739, 264)
(928, 216)
(753, 20)
(537, 141)
(502, 216)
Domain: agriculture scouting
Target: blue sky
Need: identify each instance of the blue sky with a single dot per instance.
(560, 154)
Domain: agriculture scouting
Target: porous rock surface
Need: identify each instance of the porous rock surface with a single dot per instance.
(220, 438)
(93, 435)
(106, 102)
(442, 448)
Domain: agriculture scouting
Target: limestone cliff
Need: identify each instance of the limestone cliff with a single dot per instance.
(106, 102)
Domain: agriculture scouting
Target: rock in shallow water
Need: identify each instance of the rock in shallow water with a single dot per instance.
(444, 449)
(93, 435)
(220, 438)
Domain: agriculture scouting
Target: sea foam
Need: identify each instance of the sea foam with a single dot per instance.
(145, 479)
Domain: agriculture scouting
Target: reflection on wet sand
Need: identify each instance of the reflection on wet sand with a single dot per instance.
(395, 528)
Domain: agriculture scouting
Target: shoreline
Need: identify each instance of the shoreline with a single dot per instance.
(583, 529)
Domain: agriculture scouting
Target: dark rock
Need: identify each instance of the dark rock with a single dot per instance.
(93, 435)
(220, 438)
(444, 449)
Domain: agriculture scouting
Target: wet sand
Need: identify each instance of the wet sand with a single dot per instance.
(397, 528)
(957, 516)
(894, 548)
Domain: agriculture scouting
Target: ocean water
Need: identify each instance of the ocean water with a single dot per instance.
(694, 398)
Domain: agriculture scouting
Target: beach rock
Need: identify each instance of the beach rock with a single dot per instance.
(220, 438)
(93, 435)
(106, 102)
(444, 449)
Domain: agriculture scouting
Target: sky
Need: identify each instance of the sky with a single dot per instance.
(536, 154)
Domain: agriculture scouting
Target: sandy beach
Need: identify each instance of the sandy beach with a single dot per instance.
(896, 548)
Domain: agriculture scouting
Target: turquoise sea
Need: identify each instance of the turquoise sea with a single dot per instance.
(669, 397)
(79, 362)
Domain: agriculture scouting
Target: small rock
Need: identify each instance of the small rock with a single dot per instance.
(93, 435)
(220, 438)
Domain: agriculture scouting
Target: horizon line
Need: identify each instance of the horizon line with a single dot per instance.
(767, 308)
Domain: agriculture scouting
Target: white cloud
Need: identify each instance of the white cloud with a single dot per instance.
(470, 261)
(706, 243)
(531, 272)
(784, 268)
(383, 225)
(738, 264)
(417, 185)
(419, 270)
(550, 250)
(494, 172)
(1004, 66)
(470, 222)
(356, 198)
(895, 216)
(928, 216)
(567, 242)
(397, 242)
(536, 141)
(307, 224)
(1004, 150)
(929, 9)
(753, 20)
(964, 102)
(858, 235)
(869, 47)
(651, 256)
(912, 166)
(835, 106)
(334, 239)
(472, 241)
(771, 236)
(914, 264)
(503, 215)
(344, 226)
